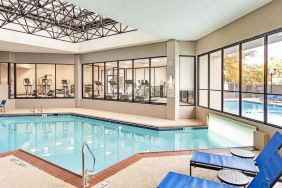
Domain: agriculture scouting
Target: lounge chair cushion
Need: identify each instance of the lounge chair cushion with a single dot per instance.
(221, 161)
(176, 180)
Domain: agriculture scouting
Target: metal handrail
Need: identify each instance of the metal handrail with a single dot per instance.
(85, 171)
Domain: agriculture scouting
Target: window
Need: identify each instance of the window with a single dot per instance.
(203, 80)
(45, 80)
(187, 80)
(87, 80)
(158, 80)
(42, 81)
(231, 80)
(253, 79)
(215, 80)
(141, 80)
(25, 81)
(136, 80)
(3, 73)
(274, 79)
(126, 85)
(11, 80)
(65, 81)
(111, 80)
(99, 80)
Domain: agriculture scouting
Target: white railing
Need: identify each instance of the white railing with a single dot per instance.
(84, 170)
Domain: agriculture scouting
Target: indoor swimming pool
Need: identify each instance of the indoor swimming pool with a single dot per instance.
(59, 139)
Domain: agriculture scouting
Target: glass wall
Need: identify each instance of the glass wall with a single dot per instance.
(231, 80)
(87, 80)
(99, 77)
(11, 80)
(111, 80)
(65, 81)
(158, 80)
(215, 80)
(126, 85)
(203, 66)
(43, 80)
(141, 80)
(274, 79)
(25, 81)
(187, 80)
(136, 80)
(252, 79)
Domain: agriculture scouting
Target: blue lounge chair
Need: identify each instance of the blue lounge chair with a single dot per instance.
(3, 105)
(268, 175)
(248, 166)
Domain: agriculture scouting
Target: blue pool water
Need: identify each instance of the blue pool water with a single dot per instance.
(255, 110)
(59, 139)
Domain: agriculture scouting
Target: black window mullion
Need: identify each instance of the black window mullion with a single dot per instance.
(15, 83)
(35, 83)
(55, 81)
(209, 74)
(105, 81)
(133, 79)
(149, 80)
(222, 79)
(92, 79)
(265, 78)
(117, 80)
(240, 79)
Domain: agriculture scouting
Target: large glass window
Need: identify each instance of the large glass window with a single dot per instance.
(99, 86)
(274, 79)
(41, 80)
(87, 80)
(158, 80)
(231, 80)
(3, 73)
(253, 79)
(111, 80)
(25, 81)
(215, 80)
(65, 81)
(126, 84)
(141, 80)
(187, 80)
(203, 65)
(45, 80)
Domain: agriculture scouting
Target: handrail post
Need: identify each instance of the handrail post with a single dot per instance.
(84, 171)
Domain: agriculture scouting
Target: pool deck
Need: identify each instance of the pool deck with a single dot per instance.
(142, 169)
(128, 118)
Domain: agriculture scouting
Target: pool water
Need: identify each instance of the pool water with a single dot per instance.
(255, 110)
(59, 139)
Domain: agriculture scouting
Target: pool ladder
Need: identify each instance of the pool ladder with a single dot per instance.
(85, 172)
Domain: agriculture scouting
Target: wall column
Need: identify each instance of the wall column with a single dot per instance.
(77, 79)
(172, 80)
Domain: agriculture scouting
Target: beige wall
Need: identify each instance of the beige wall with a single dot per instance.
(44, 103)
(264, 19)
(158, 111)
(44, 58)
(142, 51)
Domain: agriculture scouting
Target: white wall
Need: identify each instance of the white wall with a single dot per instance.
(44, 103)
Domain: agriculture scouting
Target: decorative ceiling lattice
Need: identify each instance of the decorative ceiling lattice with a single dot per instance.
(57, 19)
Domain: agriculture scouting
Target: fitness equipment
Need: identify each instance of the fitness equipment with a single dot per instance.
(65, 86)
(113, 85)
(44, 86)
(128, 90)
(98, 88)
(142, 90)
(28, 86)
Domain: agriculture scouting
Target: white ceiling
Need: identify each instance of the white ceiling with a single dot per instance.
(173, 19)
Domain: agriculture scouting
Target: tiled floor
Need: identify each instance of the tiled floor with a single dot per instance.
(155, 122)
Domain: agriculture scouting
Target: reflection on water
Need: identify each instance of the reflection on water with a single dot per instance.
(59, 139)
